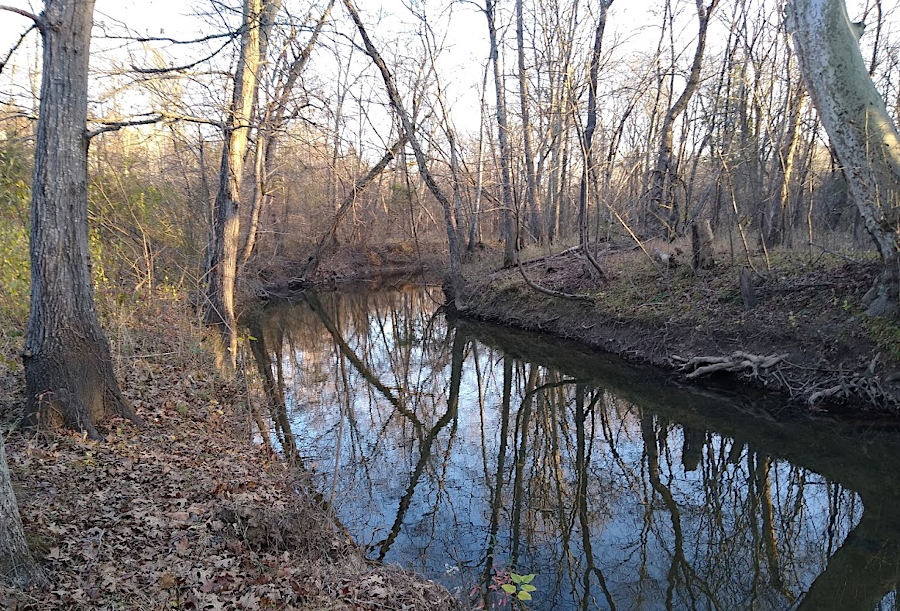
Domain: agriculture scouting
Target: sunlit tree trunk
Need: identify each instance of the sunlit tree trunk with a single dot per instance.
(68, 369)
(219, 306)
(273, 117)
(861, 131)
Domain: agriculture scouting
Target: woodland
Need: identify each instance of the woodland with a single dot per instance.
(730, 166)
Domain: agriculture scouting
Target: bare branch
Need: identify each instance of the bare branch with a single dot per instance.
(184, 67)
(18, 11)
(174, 41)
(349, 200)
(114, 126)
(6, 59)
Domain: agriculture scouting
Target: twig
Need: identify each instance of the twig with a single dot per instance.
(551, 292)
(836, 254)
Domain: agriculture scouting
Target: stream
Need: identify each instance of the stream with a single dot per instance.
(473, 454)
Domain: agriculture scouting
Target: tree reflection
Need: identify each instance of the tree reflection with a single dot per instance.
(456, 445)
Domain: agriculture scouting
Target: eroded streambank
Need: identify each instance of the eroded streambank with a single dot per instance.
(807, 338)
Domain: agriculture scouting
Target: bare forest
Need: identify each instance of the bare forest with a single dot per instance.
(711, 186)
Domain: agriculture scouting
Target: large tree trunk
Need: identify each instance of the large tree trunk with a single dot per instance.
(68, 370)
(17, 566)
(219, 306)
(861, 131)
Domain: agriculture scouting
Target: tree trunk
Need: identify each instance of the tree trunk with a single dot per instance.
(219, 306)
(702, 245)
(588, 171)
(662, 199)
(17, 566)
(859, 127)
(273, 119)
(68, 370)
(509, 250)
(409, 129)
(534, 213)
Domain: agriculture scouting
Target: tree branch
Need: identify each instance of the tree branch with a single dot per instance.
(181, 68)
(313, 261)
(18, 11)
(16, 46)
(114, 126)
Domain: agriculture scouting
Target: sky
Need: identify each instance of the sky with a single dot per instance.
(632, 29)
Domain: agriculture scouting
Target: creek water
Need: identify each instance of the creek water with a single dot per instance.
(470, 453)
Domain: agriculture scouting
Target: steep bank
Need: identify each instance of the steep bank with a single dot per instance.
(807, 336)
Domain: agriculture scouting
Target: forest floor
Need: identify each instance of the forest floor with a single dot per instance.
(185, 512)
(807, 338)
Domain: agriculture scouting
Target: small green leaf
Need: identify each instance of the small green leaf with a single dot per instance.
(523, 595)
(527, 587)
(509, 588)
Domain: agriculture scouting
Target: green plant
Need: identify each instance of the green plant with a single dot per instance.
(520, 587)
(507, 589)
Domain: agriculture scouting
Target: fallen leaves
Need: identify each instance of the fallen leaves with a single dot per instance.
(185, 513)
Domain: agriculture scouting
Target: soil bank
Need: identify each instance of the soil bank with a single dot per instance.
(807, 337)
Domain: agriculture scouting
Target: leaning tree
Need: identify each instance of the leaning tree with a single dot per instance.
(861, 131)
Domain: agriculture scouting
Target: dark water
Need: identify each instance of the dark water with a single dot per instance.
(467, 452)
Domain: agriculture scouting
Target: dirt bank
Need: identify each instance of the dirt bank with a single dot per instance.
(807, 337)
(186, 512)
(401, 262)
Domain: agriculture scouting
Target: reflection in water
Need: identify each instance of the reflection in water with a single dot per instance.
(465, 452)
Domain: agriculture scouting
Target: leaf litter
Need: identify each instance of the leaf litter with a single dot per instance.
(185, 512)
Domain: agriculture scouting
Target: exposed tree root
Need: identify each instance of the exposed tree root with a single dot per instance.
(866, 386)
(739, 361)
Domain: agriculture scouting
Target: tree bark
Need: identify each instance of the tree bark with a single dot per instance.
(702, 245)
(69, 375)
(17, 566)
(859, 127)
(219, 305)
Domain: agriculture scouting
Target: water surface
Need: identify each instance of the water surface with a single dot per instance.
(468, 452)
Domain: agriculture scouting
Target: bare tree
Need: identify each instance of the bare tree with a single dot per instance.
(663, 203)
(410, 131)
(68, 369)
(509, 251)
(219, 305)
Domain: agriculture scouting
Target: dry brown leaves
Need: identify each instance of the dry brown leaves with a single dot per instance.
(184, 513)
